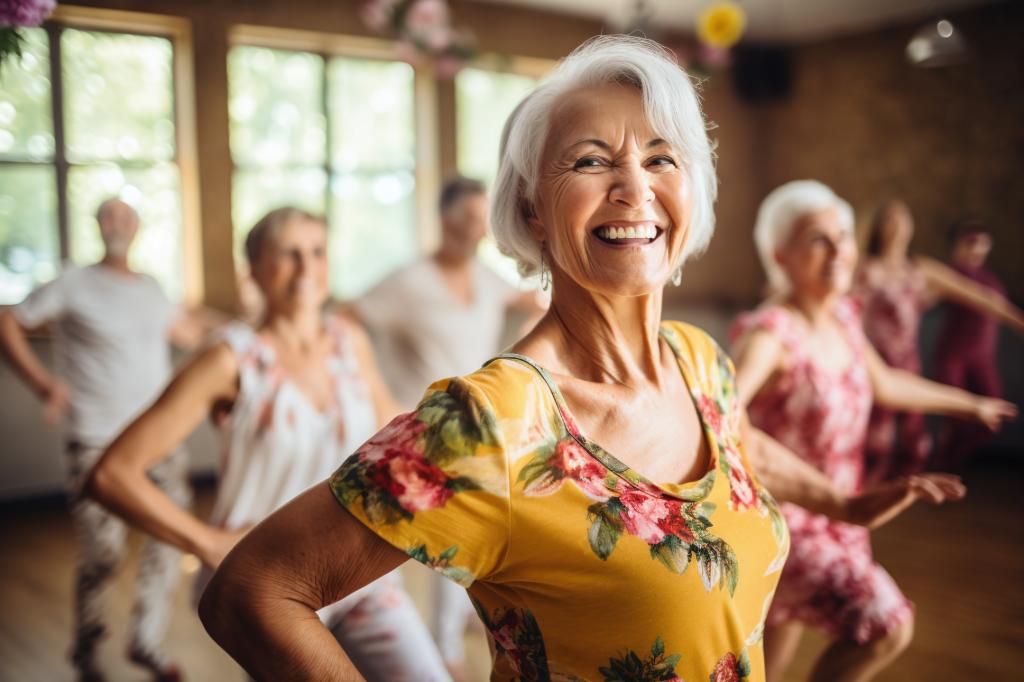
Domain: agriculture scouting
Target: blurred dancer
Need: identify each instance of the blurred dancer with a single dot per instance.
(967, 351)
(896, 288)
(292, 398)
(443, 316)
(810, 378)
(112, 329)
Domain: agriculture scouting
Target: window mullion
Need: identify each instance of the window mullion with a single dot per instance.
(60, 161)
(328, 140)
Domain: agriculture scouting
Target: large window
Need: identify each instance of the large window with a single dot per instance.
(483, 101)
(84, 116)
(334, 135)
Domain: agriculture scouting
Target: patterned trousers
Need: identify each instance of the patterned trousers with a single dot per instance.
(101, 541)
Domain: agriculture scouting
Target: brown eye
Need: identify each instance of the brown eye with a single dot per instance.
(588, 162)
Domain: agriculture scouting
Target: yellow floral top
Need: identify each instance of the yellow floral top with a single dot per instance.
(580, 568)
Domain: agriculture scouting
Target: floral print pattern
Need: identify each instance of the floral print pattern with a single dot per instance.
(830, 580)
(632, 668)
(731, 668)
(491, 482)
(516, 636)
(401, 470)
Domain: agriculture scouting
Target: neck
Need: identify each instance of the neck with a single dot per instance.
(605, 338)
(115, 262)
(452, 259)
(295, 328)
(893, 255)
(816, 309)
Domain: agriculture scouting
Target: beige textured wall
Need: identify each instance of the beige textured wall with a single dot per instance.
(950, 141)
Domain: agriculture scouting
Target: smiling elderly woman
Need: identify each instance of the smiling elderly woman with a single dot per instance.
(655, 562)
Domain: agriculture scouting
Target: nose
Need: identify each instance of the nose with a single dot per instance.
(632, 187)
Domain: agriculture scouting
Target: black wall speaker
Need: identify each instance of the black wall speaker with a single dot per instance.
(761, 74)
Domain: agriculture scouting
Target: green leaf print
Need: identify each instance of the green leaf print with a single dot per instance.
(632, 668)
(673, 553)
(442, 564)
(458, 424)
(605, 527)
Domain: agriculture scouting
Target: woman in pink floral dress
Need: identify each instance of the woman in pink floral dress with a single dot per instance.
(896, 288)
(810, 378)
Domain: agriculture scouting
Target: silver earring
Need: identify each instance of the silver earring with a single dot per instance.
(545, 273)
(677, 276)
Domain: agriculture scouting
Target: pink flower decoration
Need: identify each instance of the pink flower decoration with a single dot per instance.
(25, 12)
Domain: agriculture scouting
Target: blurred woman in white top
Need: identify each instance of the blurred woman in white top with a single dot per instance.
(292, 397)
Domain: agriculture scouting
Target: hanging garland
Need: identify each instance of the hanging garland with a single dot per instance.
(424, 32)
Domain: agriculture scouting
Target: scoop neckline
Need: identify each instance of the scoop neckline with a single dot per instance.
(690, 491)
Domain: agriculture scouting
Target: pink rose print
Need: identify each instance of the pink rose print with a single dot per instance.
(417, 484)
(568, 462)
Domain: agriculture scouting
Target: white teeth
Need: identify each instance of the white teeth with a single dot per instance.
(637, 232)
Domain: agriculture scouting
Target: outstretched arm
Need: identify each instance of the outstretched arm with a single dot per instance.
(261, 604)
(901, 390)
(119, 481)
(945, 282)
(791, 479)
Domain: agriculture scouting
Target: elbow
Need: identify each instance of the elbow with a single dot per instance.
(102, 483)
(226, 611)
(214, 608)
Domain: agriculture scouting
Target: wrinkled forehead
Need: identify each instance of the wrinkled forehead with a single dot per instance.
(612, 112)
(826, 220)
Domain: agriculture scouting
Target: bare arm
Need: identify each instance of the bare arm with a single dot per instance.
(261, 604)
(119, 481)
(901, 390)
(384, 404)
(791, 479)
(947, 283)
(14, 343)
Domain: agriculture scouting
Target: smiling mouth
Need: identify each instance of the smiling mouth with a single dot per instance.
(631, 235)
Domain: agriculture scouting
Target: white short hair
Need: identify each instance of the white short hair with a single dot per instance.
(672, 110)
(779, 213)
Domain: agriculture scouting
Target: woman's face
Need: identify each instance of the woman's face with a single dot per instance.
(896, 228)
(613, 200)
(292, 267)
(820, 255)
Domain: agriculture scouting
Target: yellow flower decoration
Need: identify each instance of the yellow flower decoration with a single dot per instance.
(721, 24)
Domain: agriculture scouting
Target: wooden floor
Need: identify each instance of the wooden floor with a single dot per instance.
(963, 565)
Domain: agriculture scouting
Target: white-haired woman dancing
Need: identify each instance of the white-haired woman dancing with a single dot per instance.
(655, 563)
(809, 378)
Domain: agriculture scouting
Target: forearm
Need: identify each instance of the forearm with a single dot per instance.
(129, 493)
(791, 479)
(902, 390)
(19, 353)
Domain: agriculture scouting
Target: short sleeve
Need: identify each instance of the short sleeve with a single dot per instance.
(435, 484)
(774, 319)
(46, 303)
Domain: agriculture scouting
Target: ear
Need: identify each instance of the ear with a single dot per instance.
(536, 226)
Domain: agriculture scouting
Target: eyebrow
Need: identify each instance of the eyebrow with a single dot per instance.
(607, 147)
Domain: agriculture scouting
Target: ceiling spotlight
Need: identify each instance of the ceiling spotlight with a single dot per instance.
(937, 43)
